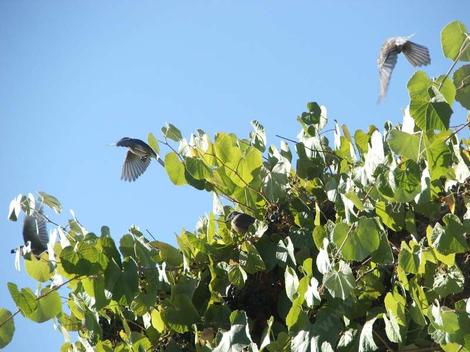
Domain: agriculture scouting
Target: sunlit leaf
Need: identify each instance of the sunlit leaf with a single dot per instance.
(405, 144)
(50, 201)
(175, 169)
(153, 143)
(454, 38)
(171, 132)
(48, 306)
(366, 339)
(340, 281)
(39, 269)
(358, 242)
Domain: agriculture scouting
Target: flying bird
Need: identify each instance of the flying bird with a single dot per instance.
(137, 159)
(35, 232)
(416, 54)
(240, 222)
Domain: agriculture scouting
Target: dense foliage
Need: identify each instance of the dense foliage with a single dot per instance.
(363, 245)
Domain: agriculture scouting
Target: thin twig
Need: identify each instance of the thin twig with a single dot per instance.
(457, 131)
(150, 234)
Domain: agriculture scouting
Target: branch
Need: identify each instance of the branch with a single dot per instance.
(40, 297)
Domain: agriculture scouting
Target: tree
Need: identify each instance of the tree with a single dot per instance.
(363, 245)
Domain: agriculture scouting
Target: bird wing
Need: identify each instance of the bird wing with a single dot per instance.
(387, 61)
(245, 219)
(133, 167)
(416, 54)
(35, 231)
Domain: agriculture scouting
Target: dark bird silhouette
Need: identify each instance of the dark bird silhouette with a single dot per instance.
(240, 222)
(137, 159)
(35, 232)
(416, 54)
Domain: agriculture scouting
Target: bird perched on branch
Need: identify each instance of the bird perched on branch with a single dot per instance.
(137, 159)
(240, 222)
(416, 54)
(35, 232)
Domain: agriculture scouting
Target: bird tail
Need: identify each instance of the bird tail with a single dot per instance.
(416, 54)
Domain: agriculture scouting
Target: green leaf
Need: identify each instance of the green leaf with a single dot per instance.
(357, 243)
(366, 339)
(392, 216)
(405, 144)
(236, 275)
(49, 306)
(394, 331)
(171, 132)
(447, 88)
(395, 304)
(25, 299)
(448, 281)
(430, 113)
(362, 141)
(319, 234)
(168, 253)
(197, 168)
(7, 327)
(419, 84)
(153, 143)
(439, 156)
(383, 254)
(15, 208)
(226, 150)
(258, 136)
(291, 283)
(453, 38)
(250, 259)
(84, 259)
(181, 312)
(353, 197)
(175, 169)
(408, 181)
(96, 288)
(462, 84)
(451, 238)
(39, 269)
(157, 321)
(409, 257)
(340, 281)
(238, 336)
(126, 281)
(51, 201)
(251, 161)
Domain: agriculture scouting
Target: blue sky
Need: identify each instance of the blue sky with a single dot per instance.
(76, 76)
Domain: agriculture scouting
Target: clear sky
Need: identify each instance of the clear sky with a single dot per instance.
(76, 76)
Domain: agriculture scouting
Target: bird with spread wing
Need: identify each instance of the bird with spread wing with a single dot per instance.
(417, 55)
